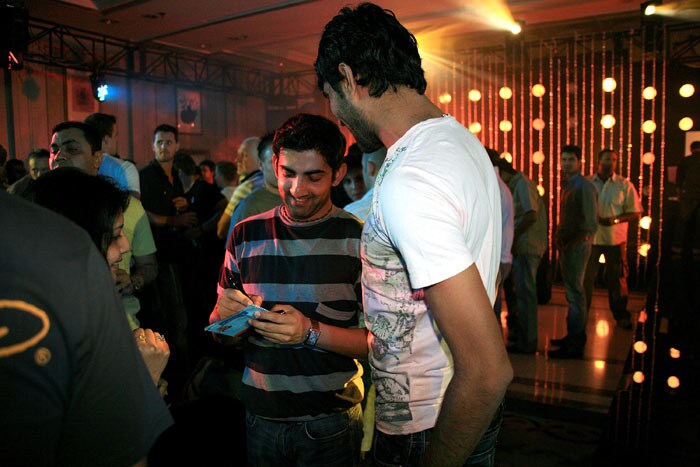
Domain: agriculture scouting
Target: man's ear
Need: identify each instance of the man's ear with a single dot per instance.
(339, 174)
(372, 169)
(97, 159)
(350, 80)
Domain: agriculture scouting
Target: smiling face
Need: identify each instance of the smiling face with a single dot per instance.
(304, 180)
(117, 243)
(69, 148)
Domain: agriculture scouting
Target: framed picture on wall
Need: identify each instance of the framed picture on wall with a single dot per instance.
(81, 102)
(189, 111)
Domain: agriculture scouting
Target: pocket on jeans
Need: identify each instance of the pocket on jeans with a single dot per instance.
(327, 427)
(250, 419)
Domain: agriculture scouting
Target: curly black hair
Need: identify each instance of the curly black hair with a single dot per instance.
(378, 49)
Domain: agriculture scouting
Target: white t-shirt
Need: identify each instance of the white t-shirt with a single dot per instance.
(436, 211)
(616, 196)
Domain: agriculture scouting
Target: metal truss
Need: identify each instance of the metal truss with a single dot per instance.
(56, 45)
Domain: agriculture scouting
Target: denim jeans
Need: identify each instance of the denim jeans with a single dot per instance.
(406, 450)
(573, 261)
(332, 441)
(525, 283)
(616, 270)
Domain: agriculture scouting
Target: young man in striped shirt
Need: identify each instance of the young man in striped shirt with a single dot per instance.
(302, 386)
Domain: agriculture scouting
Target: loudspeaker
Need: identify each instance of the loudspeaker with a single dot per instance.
(14, 33)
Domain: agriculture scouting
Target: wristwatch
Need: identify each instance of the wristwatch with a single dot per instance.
(313, 334)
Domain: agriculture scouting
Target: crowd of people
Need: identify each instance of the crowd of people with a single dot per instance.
(379, 268)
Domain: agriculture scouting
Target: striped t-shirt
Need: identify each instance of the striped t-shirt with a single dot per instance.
(315, 268)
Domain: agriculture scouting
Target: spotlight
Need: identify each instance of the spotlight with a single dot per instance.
(649, 8)
(517, 27)
(100, 88)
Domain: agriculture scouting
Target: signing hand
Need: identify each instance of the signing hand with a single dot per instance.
(284, 324)
(232, 301)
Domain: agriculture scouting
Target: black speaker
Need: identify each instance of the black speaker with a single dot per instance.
(14, 33)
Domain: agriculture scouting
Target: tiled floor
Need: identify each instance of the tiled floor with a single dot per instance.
(557, 410)
(588, 384)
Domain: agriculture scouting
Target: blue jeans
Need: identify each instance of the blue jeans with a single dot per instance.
(332, 441)
(525, 282)
(406, 450)
(573, 261)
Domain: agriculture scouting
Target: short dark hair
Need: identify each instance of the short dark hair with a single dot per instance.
(572, 149)
(504, 166)
(304, 132)
(90, 133)
(228, 170)
(183, 161)
(493, 155)
(606, 150)
(103, 123)
(208, 163)
(92, 202)
(378, 49)
(266, 140)
(695, 145)
(165, 128)
(40, 153)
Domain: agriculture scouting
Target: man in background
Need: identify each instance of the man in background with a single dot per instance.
(251, 179)
(371, 163)
(618, 205)
(578, 214)
(123, 172)
(38, 162)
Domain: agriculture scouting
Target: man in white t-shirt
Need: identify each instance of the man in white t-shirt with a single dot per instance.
(430, 250)
(618, 205)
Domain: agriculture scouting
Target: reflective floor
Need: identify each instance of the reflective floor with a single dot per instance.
(588, 384)
(557, 410)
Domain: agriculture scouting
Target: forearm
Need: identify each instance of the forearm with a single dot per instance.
(222, 225)
(351, 342)
(467, 410)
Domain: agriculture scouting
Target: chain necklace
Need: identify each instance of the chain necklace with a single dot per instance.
(288, 217)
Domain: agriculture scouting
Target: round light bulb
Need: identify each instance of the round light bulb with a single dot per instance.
(507, 156)
(538, 90)
(640, 346)
(686, 90)
(648, 158)
(649, 93)
(474, 95)
(538, 157)
(608, 121)
(638, 377)
(649, 127)
(505, 92)
(686, 124)
(505, 126)
(673, 382)
(445, 98)
(538, 124)
(643, 249)
(540, 190)
(645, 222)
(475, 127)
(601, 258)
(674, 353)
(609, 84)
